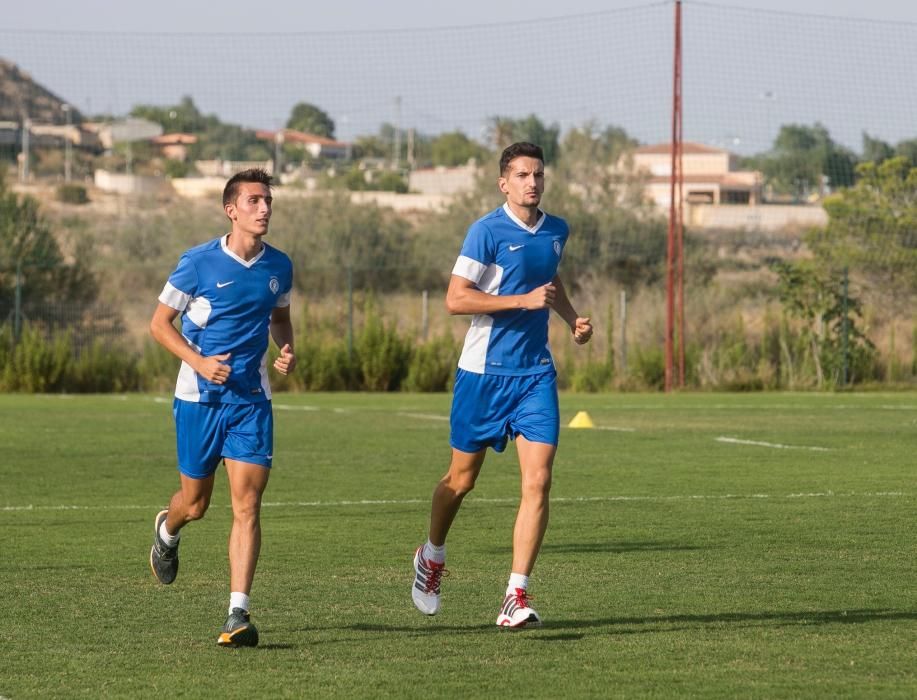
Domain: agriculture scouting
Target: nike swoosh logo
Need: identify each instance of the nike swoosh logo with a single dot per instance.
(516, 247)
(220, 285)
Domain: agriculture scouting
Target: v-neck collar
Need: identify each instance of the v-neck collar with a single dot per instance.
(519, 222)
(246, 263)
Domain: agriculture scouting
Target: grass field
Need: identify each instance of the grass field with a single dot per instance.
(700, 545)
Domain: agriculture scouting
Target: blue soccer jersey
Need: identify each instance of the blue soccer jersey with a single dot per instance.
(503, 256)
(226, 304)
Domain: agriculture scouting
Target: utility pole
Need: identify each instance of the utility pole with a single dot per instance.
(396, 146)
(278, 153)
(26, 133)
(845, 327)
(623, 315)
(410, 149)
(68, 146)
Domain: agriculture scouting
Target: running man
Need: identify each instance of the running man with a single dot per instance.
(506, 383)
(231, 294)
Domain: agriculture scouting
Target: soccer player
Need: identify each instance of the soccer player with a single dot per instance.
(506, 383)
(231, 294)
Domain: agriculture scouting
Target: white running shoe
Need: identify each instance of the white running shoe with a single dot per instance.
(516, 611)
(427, 575)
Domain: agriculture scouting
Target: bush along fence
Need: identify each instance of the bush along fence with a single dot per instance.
(787, 354)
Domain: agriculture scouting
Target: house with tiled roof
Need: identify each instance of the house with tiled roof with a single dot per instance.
(711, 175)
(316, 146)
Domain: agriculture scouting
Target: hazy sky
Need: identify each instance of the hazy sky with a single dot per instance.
(750, 66)
(345, 15)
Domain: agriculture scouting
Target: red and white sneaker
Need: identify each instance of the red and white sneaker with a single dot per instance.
(427, 575)
(517, 611)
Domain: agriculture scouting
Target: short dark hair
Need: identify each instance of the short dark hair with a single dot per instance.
(231, 191)
(519, 149)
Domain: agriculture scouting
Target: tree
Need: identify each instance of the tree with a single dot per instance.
(505, 131)
(311, 120)
(873, 226)
(815, 296)
(876, 150)
(31, 258)
(908, 149)
(804, 158)
(454, 148)
(184, 117)
(216, 139)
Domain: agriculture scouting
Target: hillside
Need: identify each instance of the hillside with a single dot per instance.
(21, 96)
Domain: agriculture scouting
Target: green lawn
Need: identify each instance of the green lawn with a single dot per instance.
(706, 545)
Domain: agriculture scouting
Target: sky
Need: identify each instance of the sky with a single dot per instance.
(749, 66)
(364, 15)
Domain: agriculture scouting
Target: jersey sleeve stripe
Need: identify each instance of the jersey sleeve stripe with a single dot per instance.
(469, 269)
(282, 300)
(174, 298)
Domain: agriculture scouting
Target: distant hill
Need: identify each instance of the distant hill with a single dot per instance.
(20, 95)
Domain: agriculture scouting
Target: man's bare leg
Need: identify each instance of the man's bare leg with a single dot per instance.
(246, 485)
(536, 460)
(451, 491)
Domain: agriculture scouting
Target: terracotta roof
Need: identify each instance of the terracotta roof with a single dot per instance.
(686, 148)
(174, 139)
(293, 136)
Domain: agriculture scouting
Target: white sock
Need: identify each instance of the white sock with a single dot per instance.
(170, 540)
(517, 581)
(434, 553)
(238, 600)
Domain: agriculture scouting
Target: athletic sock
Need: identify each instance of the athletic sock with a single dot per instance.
(238, 600)
(434, 553)
(517, 581)
(170, 540)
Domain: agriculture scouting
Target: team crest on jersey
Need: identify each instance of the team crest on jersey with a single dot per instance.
(557, 247)
(274, 284)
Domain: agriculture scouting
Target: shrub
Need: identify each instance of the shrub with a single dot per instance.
(649, 367)
(433, 365)
(72, 193)
(591, 377)
(102, 368)
(157, 368)
(383, 355)
(35, 364)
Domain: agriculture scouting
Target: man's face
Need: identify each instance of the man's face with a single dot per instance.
(523, 182)
(251, 212)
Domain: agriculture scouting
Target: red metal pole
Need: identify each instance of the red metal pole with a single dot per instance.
(679, 226)
(674, 206)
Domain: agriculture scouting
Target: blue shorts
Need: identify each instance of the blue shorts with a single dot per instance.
(489, 409)
(207, 432)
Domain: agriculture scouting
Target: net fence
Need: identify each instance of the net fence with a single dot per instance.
(782, 108)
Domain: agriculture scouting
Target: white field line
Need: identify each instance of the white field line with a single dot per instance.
(425, 501)
(422, 416)
(615, 429)
(775, 445)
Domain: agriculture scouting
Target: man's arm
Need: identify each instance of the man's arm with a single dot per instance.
(282, 333)
(581, 327)
(210, 368)
(463, 297)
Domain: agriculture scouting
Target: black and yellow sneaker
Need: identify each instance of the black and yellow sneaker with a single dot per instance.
(163, 559)
(238, 630)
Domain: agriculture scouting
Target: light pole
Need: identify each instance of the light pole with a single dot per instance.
(24, 155)
(68, 146)
(396, 146)
(770, 98)
(278, 153)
